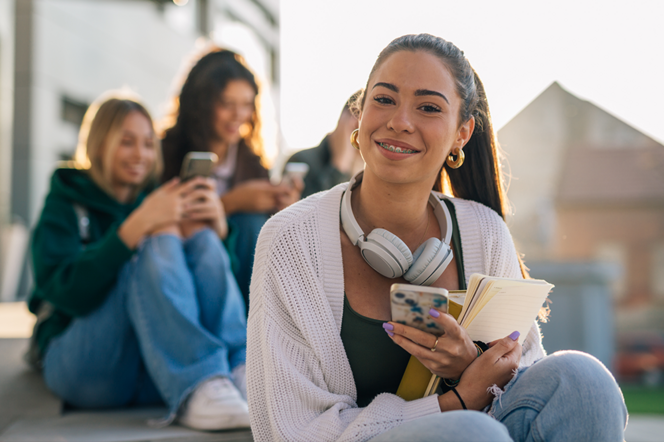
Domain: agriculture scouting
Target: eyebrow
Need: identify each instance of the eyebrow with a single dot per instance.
(418, 93)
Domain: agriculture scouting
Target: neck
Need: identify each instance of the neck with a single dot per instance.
(402, 209)
(122, 192)
(220, 148)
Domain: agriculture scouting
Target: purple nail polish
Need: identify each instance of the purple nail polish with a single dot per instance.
(388, 326)
(434, 313)
(515, 335)
(390, 333)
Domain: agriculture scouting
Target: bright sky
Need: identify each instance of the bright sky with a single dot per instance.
(608, 52)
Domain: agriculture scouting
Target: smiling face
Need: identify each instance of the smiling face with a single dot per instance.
(135, 156)
(410, 119)
(233, 110)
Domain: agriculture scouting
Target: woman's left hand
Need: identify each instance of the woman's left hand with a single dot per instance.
(289, 193)
(454, 350)
(203, 204)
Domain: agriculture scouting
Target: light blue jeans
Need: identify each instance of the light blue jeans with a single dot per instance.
(174, 319)
(567, 396)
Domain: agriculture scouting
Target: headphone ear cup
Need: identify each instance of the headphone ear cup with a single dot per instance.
(386, 253)
(430, 261)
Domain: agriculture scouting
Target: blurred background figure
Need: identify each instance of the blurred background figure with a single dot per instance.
(136, 300)
(217, 111)
(334, 160)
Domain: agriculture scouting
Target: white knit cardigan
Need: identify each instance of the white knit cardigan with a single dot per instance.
(299, 382)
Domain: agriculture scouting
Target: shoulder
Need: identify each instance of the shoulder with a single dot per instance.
(487, 244)
(321, 207)
(472, 211)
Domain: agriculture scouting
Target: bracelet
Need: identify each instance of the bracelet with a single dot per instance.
(463, 404)
(451, 382)
(479, 350)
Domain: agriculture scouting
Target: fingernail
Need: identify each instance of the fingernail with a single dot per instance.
(515, 335)
(435, 313)
(390, 333)
(388, 326)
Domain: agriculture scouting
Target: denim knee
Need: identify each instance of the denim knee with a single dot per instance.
(581, 369)
(449, 426)
(568, 395)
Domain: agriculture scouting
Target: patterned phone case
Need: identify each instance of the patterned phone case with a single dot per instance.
(411, 305)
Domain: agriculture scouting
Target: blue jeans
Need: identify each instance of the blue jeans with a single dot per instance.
(567, 396)
(245, 228)
(174, 319)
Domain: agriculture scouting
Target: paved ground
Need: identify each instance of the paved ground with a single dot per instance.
(30, 413)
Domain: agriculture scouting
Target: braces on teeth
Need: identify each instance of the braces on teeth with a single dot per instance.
(395, 149)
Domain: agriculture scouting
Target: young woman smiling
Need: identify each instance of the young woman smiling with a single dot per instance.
(324, 360)
(216, 112)
(134, 293)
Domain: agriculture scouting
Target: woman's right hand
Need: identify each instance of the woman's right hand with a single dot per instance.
(253, 196)
(494, 367)
(162, 207)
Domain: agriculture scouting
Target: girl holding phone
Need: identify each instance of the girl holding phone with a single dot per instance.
(320, 340)
(216, 112)
(134, 294)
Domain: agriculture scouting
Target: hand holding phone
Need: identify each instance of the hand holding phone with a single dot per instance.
(411, 304)
(292, 170)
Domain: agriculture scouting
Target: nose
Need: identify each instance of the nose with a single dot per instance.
(401, 120)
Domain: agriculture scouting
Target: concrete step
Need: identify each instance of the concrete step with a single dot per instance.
(112, 426)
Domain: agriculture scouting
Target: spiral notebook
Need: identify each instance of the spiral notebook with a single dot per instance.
(491, 309)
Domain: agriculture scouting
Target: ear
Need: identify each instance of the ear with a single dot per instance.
(464, 133)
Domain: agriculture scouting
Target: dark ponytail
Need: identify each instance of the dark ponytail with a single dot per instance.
(480, 177)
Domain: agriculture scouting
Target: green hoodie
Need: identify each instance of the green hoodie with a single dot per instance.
(75, 277)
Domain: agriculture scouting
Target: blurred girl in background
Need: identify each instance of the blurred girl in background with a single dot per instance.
(217, 112)
(134, 293)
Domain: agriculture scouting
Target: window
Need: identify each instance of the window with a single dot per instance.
(614, 253)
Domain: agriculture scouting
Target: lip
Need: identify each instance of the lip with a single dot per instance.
(395, 155)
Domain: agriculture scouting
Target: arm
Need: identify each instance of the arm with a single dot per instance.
(300, 383)
(76, 281)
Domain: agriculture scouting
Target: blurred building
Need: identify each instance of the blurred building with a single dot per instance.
(57, 56)
(587, 187)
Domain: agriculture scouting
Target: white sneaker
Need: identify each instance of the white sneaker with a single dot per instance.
(215, 405)
(239, 377)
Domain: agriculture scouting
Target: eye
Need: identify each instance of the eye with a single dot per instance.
(126, 142)
(381, 99)
(430, 108)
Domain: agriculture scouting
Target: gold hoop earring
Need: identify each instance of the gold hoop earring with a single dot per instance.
(455, 164)
(353, 139)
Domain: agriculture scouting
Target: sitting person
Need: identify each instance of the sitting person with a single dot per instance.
(216, 112)
(323, 359)
(135, 298)
(334, 159)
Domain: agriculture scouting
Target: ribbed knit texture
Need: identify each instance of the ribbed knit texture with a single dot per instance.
(299, 382)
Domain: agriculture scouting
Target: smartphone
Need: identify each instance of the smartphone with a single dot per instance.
(294, 169)
(197, 164)
(411, 304)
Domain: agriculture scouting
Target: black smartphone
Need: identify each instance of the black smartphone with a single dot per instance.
(197, 164)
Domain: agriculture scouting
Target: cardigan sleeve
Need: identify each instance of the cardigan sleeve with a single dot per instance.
(300, 386)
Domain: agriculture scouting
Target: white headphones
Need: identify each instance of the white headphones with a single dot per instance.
(389, 255)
